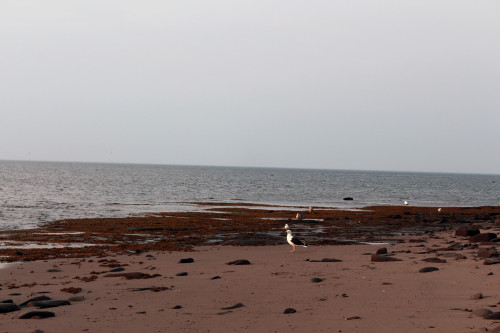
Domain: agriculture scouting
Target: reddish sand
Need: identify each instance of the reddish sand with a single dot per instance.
(355, 294)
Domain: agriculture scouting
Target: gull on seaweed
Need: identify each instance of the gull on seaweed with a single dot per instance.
(311, 209)
(299, 216)
(294, 241)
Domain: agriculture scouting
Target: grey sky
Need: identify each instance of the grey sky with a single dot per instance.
(373, 85)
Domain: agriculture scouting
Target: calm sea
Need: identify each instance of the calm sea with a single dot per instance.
(34, 192)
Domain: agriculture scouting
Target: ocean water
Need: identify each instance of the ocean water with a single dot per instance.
(35, 192)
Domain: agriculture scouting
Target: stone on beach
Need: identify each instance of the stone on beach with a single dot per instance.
(186, 260)
(435, 260)
(481, 312)
(428, 269)
(239, 262)
(8, 307)
(49, 303)
(481, 238)
(37, 315)
(466, 232)
(381, 258)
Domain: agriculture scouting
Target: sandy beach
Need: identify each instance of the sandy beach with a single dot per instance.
(321, 288)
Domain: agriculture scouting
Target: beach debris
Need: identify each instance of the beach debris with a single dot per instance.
(35, 299)
(117, 269)
(428, 269)
(49, 303)
(37, 315)
(239, 262)
(72, 290)
(289, 311)
(186, 260)
(477, 296)
(466, 232)
(215, 277)
(382, 250)
(181, 274)
(352, 318)
(317, 280)
(177, 307)
(133, 275)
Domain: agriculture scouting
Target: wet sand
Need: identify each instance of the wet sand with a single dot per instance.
(351, 291)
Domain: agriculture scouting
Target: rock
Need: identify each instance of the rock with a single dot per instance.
(76, 299)
(330, 260)
(492, 261)
(435, 260)
(477, 296)
(48, 304)
(487, 252)
(7, 301)
(34, 299)
(186, 260)
(181, 274)
(54, 270)
(381, 258)
(37, 314)
(348, 198)
(428, 269)
(236, 306)
(382, 250)
(485, 237)
(8, 307)
(177, 307)
(215, 277)
(317, 280)
(481, 312)
(466, 232)
(239, 262)
(289, 311)
(117, 269)
(493, 315)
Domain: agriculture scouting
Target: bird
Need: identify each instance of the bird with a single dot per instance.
(405, 202)
(294, 241)
(311, 209)
(287, 227)
(439, 210)
(299, 216)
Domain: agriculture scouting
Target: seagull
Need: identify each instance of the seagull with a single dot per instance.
(405, 202)
(293, 241)
(299, 216)
(439, 210)
(311, 209)
(287, 227)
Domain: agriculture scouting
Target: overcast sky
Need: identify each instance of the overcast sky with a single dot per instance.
(368, 85)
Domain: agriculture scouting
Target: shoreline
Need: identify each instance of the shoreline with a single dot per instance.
(326, 287)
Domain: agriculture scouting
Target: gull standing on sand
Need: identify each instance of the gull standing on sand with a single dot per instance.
(293, 241)
(405, 202)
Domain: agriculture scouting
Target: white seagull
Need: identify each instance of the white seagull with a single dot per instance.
(299, 216)
(439, 210)
(287, 227)
(293, 241)
(405, 202)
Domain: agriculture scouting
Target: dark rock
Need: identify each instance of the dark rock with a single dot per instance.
(239, 262)
(493, 315)
(477, 296)
(330, 260)
(186, 260)
(435, 260)
(317, 280)
(481, 312)
(76, 299)
(177, 307)
(428, 269)
(465, 232)
(34, 299)
(215, 277)
(381, 258)
(487, 253)
(8, 307)
(54, 270)
(49, 303)
(289, 311)
(181, 274)
(382, 250)
(492, 261)
(117, 269)
(7, 301)
(37, 314)
(236, 306)
(486, 237)
(348, 198)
